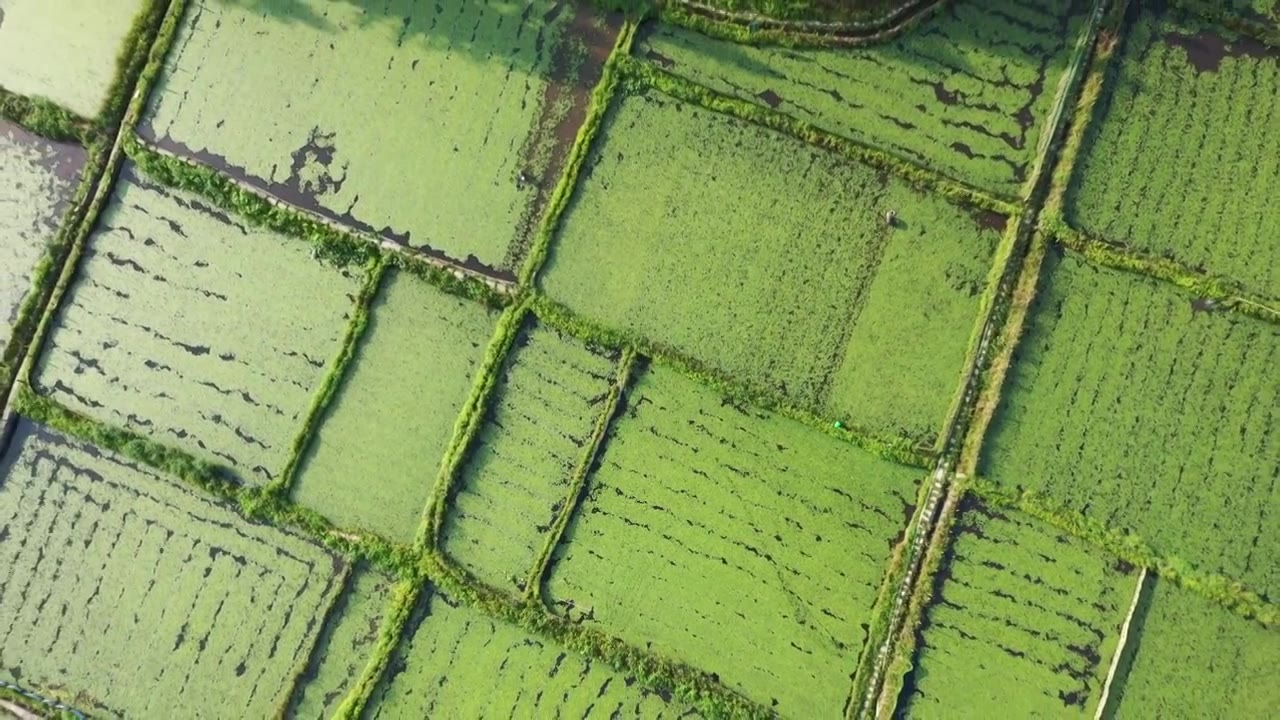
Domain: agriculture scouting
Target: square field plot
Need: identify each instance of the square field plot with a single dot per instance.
(37, 181)
(965, 93)
(191, 328)
(455, 662)
(1190, 657)
(376, 456)
(1126, 404)
(548, 401)
(741, 542)
(136, 597)
(1182, 158)
(440, 125)
(1024, 622)
(64, 50)
(770, 260)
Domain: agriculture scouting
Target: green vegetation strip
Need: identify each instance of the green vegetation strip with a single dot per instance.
(578, 483)
(920, 178)
(749, 31)
(1230, 14)
(47, 119)
(890, 448)
(146, 34)
(403, 600)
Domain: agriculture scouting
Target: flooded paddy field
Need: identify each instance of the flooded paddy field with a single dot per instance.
(771, 261)
(64, 50)
(454, 661)
(1183, 157)
(742, 542)
(132, 596)
(1189, 656)
(442, 126)
(1023, 622)
(187, 326)
(965, 94)
(517, 477)
(37, 181)
(1133, 407)
(376, 455)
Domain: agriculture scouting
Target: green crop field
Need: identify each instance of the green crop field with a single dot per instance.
(413, 120)
(191, 328)
(770, 261)
(516, 481)
(1190, 658)
(740, 541)
(1184, 157)
(136, 597)
(454, 662)
(37, 180)
(64, 50)
(965, 94)
(1024, 622)
(1128, 405)
(415, 367)
(344, 645)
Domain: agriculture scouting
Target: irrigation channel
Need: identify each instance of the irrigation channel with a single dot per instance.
(954, 432)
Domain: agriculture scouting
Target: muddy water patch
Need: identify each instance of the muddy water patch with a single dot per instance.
(1207, 49)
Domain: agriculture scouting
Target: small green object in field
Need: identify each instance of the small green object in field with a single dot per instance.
(839, 425)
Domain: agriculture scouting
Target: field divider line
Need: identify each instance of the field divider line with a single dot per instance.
(915, 175)
(578, 481)
(754, 29)
(465, 429)
(399, 610)
(601, 99)
(1220, 13)
(560, 317)
(48, 119)
(297, 683)
(36, 698)
(337, 372)
(956, 431)
(1120, 646)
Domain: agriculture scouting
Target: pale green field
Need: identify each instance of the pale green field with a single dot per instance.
(411, 119)
(516, 481)
(143, 598)
(188, 327)
(741, 542)
(457, 663)
(64, 50)
(37, 180)
(375, 458)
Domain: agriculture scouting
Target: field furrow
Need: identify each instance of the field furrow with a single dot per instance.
(770, 261)
(413, 370)
(64, 50)
(741, 542)
(439, 125)
(965, 93)
(144, 598)
(1128, 404)
(37, 181)
(1024, 622)
(454, 662)
(343, 646)
(1190, 657)
(548, 399)
(189, 327)
(1183, 157)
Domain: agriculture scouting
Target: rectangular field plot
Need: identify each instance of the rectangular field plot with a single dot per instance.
(1183, 154)
(147, 598)
(441, 125)
(548, 400)
(376, 456)
(342, 649)
(741, 542)
(37, 181)
(1189, 657)
(965, 93)
(64, 50)
(455, 662)
(1126, 404)
(1024, 622)
(770, 260)
(189, 327)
